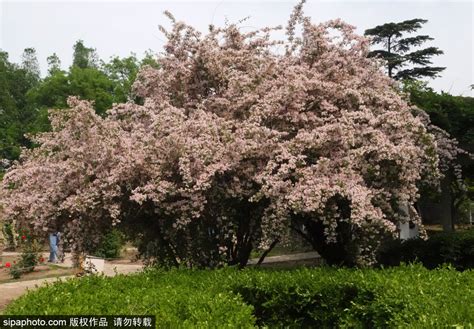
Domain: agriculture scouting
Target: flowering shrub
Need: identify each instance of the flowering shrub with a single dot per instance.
(29, 257)
(236, 144)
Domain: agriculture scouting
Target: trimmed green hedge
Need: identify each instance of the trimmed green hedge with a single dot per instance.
(455, 248)
(177, 298)
(407, 296)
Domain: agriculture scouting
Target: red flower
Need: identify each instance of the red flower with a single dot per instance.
(23, 237)
(8, 265)
(41, 260)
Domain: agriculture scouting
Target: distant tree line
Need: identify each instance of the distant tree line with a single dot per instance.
(25, 96)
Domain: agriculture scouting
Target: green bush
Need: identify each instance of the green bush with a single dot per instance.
(9, 236)
(174, 297)
(408, 297)
(111, 245)
(327, 298)
(29, 258)
(455, 248)
(394, 252)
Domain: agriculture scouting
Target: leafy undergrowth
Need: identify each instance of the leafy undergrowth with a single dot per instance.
(455, 248)
(406, 296)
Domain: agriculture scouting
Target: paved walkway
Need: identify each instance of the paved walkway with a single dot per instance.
(301, 257)
(12, 290)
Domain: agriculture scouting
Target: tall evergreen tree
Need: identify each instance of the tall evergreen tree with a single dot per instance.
(402, 61)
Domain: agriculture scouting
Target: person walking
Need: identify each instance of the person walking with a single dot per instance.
(53, 247)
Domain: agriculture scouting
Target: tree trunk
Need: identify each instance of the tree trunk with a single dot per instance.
(340, 253)
(389, 65)
(274, 243)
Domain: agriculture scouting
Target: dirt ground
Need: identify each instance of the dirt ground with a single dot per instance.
(40, 272)
(43, 270)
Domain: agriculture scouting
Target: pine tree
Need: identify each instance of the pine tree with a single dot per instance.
(402, 61)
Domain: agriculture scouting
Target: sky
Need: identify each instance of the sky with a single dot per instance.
(121, 27)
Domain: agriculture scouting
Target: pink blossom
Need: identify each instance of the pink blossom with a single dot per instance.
(229, 124)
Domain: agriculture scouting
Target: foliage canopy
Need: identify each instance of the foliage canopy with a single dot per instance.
(398, 50)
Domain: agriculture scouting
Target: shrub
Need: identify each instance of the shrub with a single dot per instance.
(9, 236)
(176, 298)
(29, 257)
(455, 248)
(394, 252)
(327, 298)
(111, 245)
(407, 296)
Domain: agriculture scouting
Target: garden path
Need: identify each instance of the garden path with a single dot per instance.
(67, 257)
(12, 290)
(304, 257)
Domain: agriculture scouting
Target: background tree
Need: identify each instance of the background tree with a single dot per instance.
(123, 72)
(92, 84)
(455, 115)
(84, 57)
(25, 97)
(16, 114)
(398, 50)
(8, 108)
(30, 64)
(54, 64)
(102, 82)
